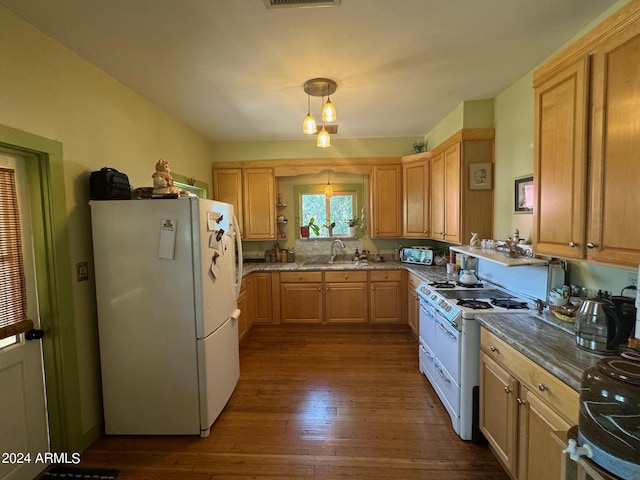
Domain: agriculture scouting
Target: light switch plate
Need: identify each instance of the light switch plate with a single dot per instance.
(82, 271)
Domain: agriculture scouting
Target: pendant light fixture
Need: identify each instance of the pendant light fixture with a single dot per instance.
(319, 87)
(309, 123)
(328, 189)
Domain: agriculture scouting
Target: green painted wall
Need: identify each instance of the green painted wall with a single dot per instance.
(340, 148)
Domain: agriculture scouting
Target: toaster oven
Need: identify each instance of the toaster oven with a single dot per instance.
(418, 255)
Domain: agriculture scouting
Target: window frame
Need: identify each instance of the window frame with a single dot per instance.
(353, 189)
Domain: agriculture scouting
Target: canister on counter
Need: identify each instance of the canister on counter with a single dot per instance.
(283, 256)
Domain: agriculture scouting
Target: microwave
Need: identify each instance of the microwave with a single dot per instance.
(419, 255)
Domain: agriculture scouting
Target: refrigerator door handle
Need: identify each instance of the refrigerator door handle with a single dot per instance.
(240, 259)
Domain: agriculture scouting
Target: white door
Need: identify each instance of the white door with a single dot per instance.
(23, 429)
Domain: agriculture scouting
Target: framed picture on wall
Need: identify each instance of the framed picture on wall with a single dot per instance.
(523, 194)
(480, 176)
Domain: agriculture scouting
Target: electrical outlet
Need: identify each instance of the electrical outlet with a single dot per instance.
(632, 278)
(82, 271)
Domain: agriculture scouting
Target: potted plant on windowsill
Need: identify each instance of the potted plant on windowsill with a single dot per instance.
(353, 223)
(311, 226)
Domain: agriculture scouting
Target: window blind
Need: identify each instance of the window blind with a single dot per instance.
(13, 296)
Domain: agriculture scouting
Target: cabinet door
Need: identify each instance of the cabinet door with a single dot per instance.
(386, 201)
(539, 453)
(346, 302)
(262, 305)
(386, 298)
(245, 311)
(437, 197)
(259, 204)
(227, 187)
(614, 227)
(413, 304)
(498, 411)
(560, 159)
(415, 192)
(452, 193)
(301, 302)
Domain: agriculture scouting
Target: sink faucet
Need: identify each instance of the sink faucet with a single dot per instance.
(333, 245)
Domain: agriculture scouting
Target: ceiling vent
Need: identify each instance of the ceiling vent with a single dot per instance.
(301, 3)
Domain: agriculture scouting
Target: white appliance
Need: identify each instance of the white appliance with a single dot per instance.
(449, 341)
(167, 283)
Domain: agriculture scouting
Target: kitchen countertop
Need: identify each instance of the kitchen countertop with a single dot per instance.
(547, 344)
(426, 273)
(544, 339)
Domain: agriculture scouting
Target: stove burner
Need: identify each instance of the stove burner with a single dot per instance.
(442, 285)
(473, 285)
(509, 303)
(474, 304)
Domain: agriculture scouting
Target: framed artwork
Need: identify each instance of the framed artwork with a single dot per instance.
(523, 194)
(480, 176)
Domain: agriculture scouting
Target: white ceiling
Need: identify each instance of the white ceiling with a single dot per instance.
(234, 70)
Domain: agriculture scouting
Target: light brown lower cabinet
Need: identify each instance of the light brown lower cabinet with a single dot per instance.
(521, 405)
(386, 298)
(261, 294)
(341, 296)
(244, 304)
(346, 297)
(413, 304)
(301, 297)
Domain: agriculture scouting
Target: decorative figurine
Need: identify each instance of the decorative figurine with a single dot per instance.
(474, 240)
(162, 179)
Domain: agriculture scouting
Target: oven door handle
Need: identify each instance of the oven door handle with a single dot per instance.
(445, 330)
(444, 377)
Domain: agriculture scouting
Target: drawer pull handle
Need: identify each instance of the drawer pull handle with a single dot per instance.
(591, 245)
(542, 387)
(573, 244)
(507, 390)
(493, 349)
(444, 377)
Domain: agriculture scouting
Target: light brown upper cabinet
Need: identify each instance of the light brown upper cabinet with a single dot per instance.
(461, 187)
(259, 203)
(614, 209)
(251, 192)
(415, 193)
(227, 187)
(559, 166)
(386, 201)
(587, 139)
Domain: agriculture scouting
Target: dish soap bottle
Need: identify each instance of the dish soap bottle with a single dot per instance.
(356, 256)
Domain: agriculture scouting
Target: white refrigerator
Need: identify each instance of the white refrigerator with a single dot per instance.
(167, 284)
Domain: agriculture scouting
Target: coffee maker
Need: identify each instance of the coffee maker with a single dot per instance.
(602, 324)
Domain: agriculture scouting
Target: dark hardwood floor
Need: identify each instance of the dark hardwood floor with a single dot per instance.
(314, 401)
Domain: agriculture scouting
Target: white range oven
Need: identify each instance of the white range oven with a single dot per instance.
(449, 348)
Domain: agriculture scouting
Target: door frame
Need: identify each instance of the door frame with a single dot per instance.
(45, 177)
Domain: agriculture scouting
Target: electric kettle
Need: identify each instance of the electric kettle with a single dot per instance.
(602, 325)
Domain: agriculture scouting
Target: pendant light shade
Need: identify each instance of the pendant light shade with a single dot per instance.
(324, 140)
(319, 87)
(328, 189)
(329, 111)
(309, 123)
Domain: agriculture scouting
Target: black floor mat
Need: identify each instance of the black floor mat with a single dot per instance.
(68, 473)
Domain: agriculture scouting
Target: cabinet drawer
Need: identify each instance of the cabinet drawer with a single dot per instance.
(345, 276)
(386, 276)
(296, 277)
(413, 281)
(554, 391)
